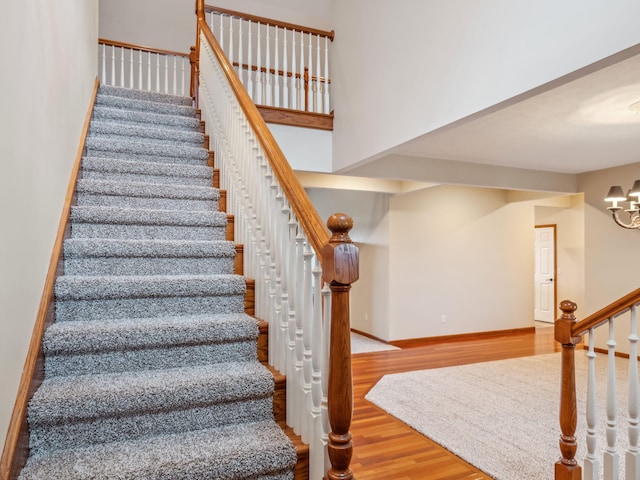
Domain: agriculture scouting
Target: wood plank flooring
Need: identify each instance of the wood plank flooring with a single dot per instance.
(385, 448)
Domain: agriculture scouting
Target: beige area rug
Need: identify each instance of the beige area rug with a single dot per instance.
(502, 416)
(362, 344)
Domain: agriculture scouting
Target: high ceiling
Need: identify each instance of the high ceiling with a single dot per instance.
(577, 124)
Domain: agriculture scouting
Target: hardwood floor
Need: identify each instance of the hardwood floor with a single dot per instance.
(385, 448)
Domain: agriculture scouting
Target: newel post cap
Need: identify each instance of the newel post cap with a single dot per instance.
(340, 255)
(565, 323)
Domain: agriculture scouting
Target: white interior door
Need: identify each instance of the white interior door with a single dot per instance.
(545, 272)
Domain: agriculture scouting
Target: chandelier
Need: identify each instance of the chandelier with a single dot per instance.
(616, 195)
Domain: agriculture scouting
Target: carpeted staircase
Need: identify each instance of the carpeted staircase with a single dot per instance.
(151, 368)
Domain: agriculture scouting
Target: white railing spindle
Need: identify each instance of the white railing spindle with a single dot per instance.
(276, 75)
(285, 66)
(131, 85)
(121, 67)
(632, 456)
(113, 65)
(294, 72)
(103, 77)
(591, 464)
(327, 108)
(610, 462)
(250, 61)
(267, 64)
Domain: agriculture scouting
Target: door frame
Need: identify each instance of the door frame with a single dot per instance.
(555, 266)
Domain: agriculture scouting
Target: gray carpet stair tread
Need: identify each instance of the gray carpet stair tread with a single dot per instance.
(171, 170)
(79, 287)
(144, 105)
(115, 131)
(68, 399)
(257, 451)
(131, 216)
(78, 337)
(89, 247)
(145, 95)
(144, 189)
(122, 149)
(131, 117)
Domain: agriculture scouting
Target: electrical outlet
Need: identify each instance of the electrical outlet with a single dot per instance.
(443, 319)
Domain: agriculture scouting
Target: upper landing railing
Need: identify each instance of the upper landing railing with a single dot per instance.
(280, 64)
(143, 68)
(569, 333)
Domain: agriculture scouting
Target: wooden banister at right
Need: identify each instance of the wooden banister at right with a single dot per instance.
(270, 21)
(601, 316)
(568, 332)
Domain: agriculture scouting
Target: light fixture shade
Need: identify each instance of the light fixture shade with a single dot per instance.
(635, 190)
(615, 194)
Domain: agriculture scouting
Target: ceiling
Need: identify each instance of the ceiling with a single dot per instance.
(579, 123)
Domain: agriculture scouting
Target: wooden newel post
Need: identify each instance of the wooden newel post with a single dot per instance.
(567, 467)
(340, 270)
(194, 53)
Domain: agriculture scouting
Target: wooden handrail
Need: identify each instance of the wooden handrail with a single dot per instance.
(142, 48)
(16, 447)
(568, 333)
(314, 227)
(270, 21)
(601, 316)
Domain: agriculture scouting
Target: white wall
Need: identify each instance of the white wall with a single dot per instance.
(402, 70)
(465, 253)
(53, 46)
(306, 149)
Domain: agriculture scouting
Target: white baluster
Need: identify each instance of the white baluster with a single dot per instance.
(113, 65)
(103, 77)
(175, 74)
(632, 457)
(166, 74)
(182, 90)
(157, 72)
(306, 311)
(231, 40)
(298, 277)
(221, 30)
(294, 71)
(250, 62)
(268, 97)
(259, 76)
(276, 75)
(240, 52)
(302, 67)
(610, 455)
(131, 85)
(327, 108)
(310, 65)
(285, 74)
(122, 67)
(149, 71)
(317, 454)
(317, 99)
(139, 69)
(591, 464)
